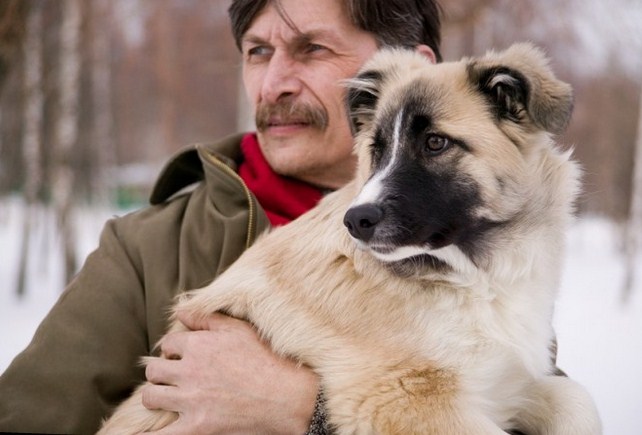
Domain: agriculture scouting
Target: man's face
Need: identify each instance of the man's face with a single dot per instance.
(292, 77)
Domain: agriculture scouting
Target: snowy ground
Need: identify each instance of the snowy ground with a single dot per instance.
(600, 337)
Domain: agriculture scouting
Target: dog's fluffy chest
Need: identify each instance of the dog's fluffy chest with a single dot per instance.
(421, 320)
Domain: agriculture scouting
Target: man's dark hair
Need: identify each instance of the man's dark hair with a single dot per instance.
(397, 23)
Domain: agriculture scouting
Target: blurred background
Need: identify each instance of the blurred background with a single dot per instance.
(95, 95)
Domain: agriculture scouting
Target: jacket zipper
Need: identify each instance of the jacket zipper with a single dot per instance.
(251, 225)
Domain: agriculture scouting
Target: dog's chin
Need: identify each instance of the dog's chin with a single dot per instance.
(419, 261)
(393, 254)
(406, 261)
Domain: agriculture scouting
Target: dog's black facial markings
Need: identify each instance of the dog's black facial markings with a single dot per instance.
(439, 204)
(437, 210)
(377, 149)
(419, 124)
(476, 242)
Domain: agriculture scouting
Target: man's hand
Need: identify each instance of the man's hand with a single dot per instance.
(222, 379)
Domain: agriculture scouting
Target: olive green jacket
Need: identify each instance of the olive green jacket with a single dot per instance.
(84, 358)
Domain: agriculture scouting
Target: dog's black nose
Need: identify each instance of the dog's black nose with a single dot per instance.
(362, 220)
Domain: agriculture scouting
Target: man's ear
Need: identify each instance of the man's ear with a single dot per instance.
(427, 52)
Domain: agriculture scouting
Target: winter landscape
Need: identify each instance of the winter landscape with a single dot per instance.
(600, 334)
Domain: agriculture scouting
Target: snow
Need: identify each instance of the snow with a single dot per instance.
(600, 336)
(19, 317)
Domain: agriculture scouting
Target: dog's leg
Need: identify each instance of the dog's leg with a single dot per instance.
(427, 416)
(392, 401)
(559, 406)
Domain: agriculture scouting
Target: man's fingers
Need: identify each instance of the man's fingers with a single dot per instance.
(195, 323)
(173, 344)
(211, 322)
(162, 371)
(174, 428)
(160, 397)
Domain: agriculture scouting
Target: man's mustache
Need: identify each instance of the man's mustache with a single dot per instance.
(290, 112)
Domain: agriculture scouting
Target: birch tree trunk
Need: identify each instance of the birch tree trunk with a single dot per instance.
(103, 145)
(633, 229)
(165, 62)
(32, 135)
(12, 28)
(66, 129)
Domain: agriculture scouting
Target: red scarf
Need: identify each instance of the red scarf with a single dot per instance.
(283, 199)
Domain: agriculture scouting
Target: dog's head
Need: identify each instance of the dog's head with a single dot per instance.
(446, 152)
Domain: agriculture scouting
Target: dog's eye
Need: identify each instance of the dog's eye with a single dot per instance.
(436, 144)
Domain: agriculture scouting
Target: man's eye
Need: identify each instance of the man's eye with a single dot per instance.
(311, 48)
(259, 50)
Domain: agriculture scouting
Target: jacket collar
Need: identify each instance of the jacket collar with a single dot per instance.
(186, 166)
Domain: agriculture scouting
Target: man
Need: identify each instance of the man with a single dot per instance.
(221, 379)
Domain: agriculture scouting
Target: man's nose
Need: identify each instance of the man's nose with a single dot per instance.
(281, 80)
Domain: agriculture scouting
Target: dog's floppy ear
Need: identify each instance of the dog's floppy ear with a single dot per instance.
(521, 87)
(364, 90)
(362, 96)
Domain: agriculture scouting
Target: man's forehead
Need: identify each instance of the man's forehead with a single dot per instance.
(296, 24)
(294, 37)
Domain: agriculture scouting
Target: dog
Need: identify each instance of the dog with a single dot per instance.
(422, 292)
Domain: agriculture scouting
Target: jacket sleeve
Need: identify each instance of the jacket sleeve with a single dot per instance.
(319, 424)
(83, 359)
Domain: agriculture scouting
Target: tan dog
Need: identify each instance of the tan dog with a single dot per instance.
(431, 313)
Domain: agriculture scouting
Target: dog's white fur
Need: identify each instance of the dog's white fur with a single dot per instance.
(457, 351)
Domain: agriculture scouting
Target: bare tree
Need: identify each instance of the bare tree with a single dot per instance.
(66, 129)
(12, 23)
(166, 64)
(13, 15)
(633, 229)
(32, 136)
(102, 139)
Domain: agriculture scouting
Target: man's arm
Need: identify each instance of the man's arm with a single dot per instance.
(83, 358)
